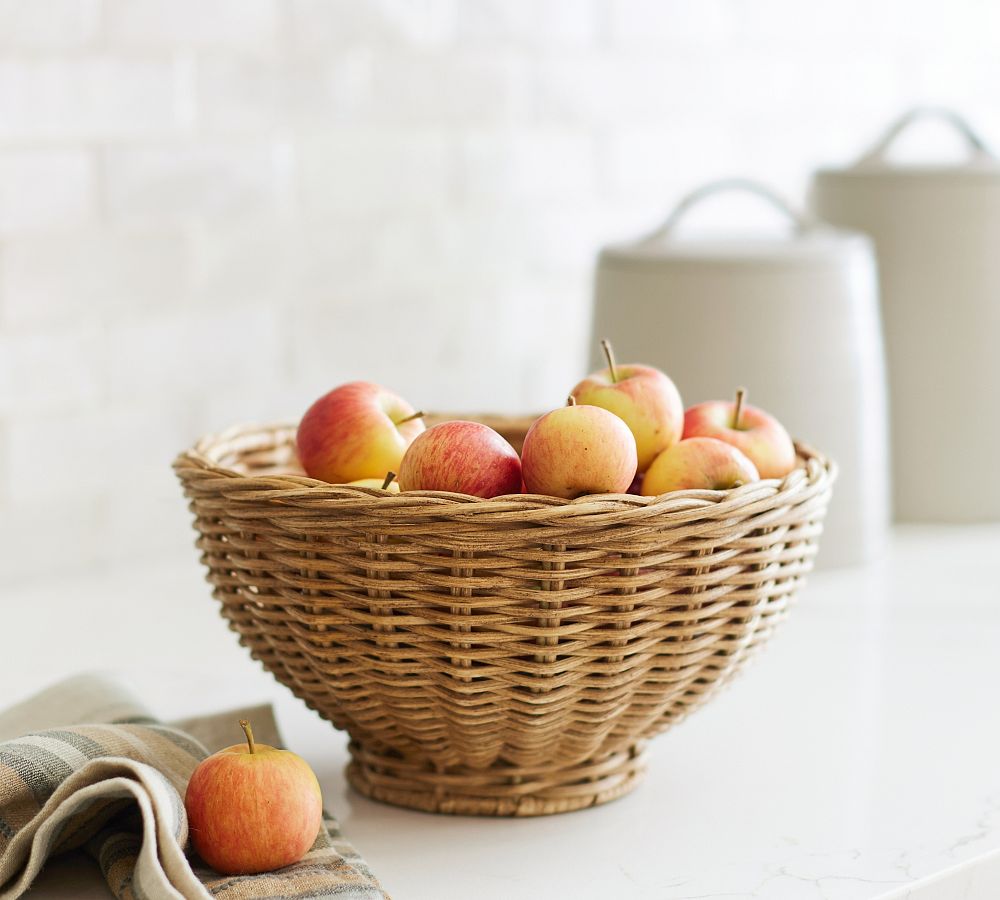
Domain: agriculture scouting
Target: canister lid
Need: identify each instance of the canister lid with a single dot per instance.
(808, 241)
(981, 164)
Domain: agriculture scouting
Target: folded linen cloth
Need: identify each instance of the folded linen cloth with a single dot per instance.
(84, 766)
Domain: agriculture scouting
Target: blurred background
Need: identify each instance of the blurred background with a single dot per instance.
(211, 211)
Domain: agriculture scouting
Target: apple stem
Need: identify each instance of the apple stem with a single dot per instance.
(609, 355)
(390, 477)
(248, 731)
(741, 394)
(571, 400)
(417, 415)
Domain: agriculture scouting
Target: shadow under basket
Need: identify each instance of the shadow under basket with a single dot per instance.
(504, 657)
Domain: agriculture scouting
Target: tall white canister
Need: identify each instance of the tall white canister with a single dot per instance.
(793, 317)
(937, 234)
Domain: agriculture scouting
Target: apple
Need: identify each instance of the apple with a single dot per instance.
(759, 435)
(358, 430)
(643, 397)
(253, 808)
(698, 462)
(579, 449)
(462, 457)
(388, 483)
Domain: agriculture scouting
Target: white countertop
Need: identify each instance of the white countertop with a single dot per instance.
(857, 758)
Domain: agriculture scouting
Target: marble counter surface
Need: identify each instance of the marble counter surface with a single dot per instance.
(857, 758)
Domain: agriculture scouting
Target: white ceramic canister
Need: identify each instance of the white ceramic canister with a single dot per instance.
(791, 317)
(937, 235)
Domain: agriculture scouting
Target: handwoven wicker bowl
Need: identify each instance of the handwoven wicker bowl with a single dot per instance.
(495, 657)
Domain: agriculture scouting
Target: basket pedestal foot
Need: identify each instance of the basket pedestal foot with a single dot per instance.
(501, 790)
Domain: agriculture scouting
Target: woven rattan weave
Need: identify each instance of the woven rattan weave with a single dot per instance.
(495, 657)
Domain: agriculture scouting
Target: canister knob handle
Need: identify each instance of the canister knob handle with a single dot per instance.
(800, 220)
(978, 151)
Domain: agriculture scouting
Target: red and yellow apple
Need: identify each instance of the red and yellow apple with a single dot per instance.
(389, 483)
(463, 457)
(758, 434)
(358, 430)
(253, 808)
(641, 396)
(698, 462)
(577, 450)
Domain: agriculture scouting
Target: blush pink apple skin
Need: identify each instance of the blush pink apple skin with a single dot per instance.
(699, 462)
(462, 457)
(253, 812)
(645, 399)
(351, 433)
(760, 436)
(578, 450)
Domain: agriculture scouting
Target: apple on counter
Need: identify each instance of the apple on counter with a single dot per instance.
(253, 808)
(357, 431)
(760, 436)
(576, 450)
(463, 457)
(701, 463)
(644, 398)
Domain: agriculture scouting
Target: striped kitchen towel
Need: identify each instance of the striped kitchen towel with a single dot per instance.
(84, 766)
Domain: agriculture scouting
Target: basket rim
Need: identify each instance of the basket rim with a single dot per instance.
(814, 475)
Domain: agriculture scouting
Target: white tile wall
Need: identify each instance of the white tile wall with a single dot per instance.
(102, 97)
(188, 24)
(185, 182)
(49, 24)
(72, 278)
(213, 210)
(43, 189)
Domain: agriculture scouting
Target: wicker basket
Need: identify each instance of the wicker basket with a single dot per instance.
(495, 657)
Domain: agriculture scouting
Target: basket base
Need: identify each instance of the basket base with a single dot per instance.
(496, 791)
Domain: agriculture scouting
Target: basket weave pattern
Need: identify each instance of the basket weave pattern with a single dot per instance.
(500, 657)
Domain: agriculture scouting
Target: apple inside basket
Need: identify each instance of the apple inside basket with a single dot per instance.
(507, 656)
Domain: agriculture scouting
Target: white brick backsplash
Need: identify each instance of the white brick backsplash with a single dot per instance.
(477, 348)
(244, 24)
(51, 372)
(252, 94)
(90, 98)
(41, 538)
(891, 27)
(42, 189)
(533, 23)
(545, 369)
(658, 159)
(91, 455)
(564, 238)
(710, 23)
(323, 24)
(89, 276)
(613, 90)
(148, 524)
(383, 172)
(451, 90)
(177, 184)
(270, 401)
(246, 264)
(327, 258)
(187, 353)
(451, 317)
(528, 167)
(48, 24)
(213, 210)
